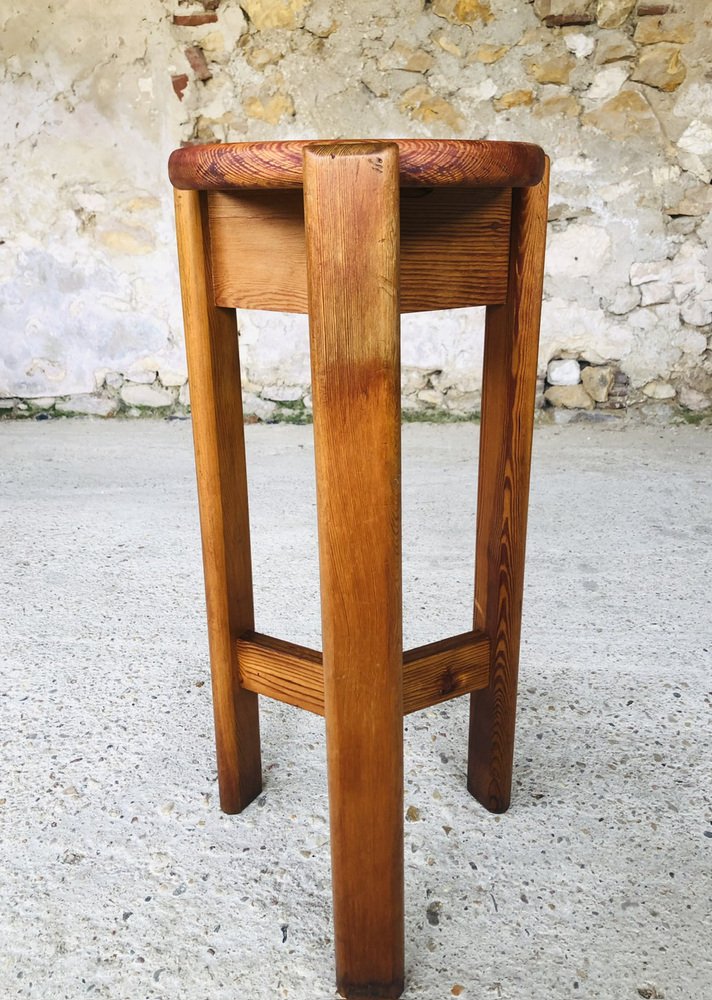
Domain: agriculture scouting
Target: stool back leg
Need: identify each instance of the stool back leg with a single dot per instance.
(218, 435)
(509, 385)
(352, 235)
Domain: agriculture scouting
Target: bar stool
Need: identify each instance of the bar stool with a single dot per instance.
(354, 233)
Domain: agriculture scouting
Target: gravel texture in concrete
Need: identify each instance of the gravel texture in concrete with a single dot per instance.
(121, 879)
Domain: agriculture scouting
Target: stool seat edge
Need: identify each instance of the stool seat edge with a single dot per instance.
(422, 163)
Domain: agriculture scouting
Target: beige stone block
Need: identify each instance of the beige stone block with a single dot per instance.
(562, 8)
(658, 389)
(146, 395)
(613, 47)
(697, 138)
(256, 406)
(413, 379)
(431, 396)
(653, 292)
(693, 400)
(141, 376)
(691, 101)
(690, 341)
(419, 62)
(670, 28)
(697, 312)
(565, 106)
(597, 380)
(260, 57)
(270, 109)
(375, 80)
(463, 11)
(650, 270)
(274, 13)
(538, 36)
(661, 66)
(513, 99)
(142, 204)
(571, 397)
(696, 165)
(128, 241)
(86, 405)
(421, 103)
(696, 201)
(625, 299)
(214, 43)
(623, 116)
(489, 54)
(172, 379)
(613, 13)
(554, 70)
(449, 46)
(319, 21)
(463, 402)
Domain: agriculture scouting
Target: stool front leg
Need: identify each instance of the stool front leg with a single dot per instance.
(218, 436)
(509, 386)
(352, 231)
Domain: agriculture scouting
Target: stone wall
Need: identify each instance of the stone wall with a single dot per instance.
(618, 92)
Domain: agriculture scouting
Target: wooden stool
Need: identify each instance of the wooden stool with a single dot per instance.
(355, 233)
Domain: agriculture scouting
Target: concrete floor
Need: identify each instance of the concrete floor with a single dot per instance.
(121, 879)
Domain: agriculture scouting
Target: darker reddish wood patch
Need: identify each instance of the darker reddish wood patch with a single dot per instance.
(179, 82)
(194, 20)
(567, 20)
(198, 63)
(653, 9)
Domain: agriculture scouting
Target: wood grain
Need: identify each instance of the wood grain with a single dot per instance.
(282, 670)
(454, 248)
(509, 382)
(216, 404)
(444, 669)
(431, 674)
(351, 212)
(422, 163)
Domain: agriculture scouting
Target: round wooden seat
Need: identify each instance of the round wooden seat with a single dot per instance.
(422, 163)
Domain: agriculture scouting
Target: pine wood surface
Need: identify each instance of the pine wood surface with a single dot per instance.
(351, 213)
(444, 669)
(283, 670)
(218, 435)
(366, 239)
(422, 163)
(454, 248)
(431, 674)
(509, 385)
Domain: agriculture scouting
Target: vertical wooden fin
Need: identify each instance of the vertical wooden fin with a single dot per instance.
(352, 227)
(509, 383)
(216, 404)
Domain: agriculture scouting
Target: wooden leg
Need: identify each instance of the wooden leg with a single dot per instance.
(216, 405)
(352, 234)
(509, 383)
